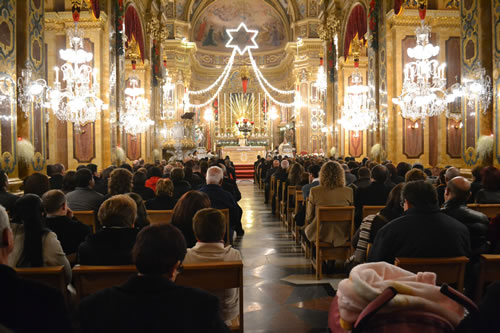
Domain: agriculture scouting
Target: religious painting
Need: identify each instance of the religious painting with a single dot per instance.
(209, 32)
(302, 8)
(179, 8)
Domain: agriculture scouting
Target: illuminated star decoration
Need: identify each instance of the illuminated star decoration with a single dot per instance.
(243, 39)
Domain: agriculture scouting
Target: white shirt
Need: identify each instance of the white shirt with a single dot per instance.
(213, 252)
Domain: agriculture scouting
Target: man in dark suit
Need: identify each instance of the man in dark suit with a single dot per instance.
(222, 199)
(423, 231)
(7, 200)
(273, 168)
(27, 306)
(56, 179)
(150, 301)
(374, 194)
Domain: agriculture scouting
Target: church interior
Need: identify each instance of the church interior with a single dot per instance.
(280, 95)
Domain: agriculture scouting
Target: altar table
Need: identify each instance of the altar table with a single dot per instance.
(243, 154)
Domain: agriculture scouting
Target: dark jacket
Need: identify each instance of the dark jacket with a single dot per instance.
(28, 306)
(231, 186)
(145, 192)
(270, 172)
(476, 222)
(421, 233)
(440, 192)
(56, 182)
(163, 202)
(484, 196)
(362, 182)
(180, 187)
(196, 181)
(71, 233)
(8, 201)
(151, 304)
(222, 199)
(374, 194)
(109, 246)
(84, 198)
(474, 188)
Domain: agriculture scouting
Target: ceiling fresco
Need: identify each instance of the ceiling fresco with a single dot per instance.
(209, 31)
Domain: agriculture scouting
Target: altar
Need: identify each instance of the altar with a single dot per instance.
(243, 154)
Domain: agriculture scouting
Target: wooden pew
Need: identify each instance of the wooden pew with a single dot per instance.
(271, 189)
(283, 205)
(326, 251)
(290, 197)
(86, 217)
(208, 276)
(448, 270)
(490, 210)
(52, 276)
(227, 236)
(371, 210)
(276, 198)
(299, 201)
(489, 272)
(160, 216)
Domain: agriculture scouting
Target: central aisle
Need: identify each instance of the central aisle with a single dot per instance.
(280, 293)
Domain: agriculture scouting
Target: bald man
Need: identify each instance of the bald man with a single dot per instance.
(456, 195)
(450, 173)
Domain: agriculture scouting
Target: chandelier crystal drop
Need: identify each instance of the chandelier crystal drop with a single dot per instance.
(135, 119)
(31, 91)
(77, 102)
(424, 88)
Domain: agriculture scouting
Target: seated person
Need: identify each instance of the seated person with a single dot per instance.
(331, 192)
(27, 306)
(150, 301)
(139, 181)
(490, 191)
(84, 197)
(423, 231)
(164, 199)
(182, 216)
(209, 227)
(59, 218)
(112, 244)
(181, 186)
(8, 200)
(34, 244)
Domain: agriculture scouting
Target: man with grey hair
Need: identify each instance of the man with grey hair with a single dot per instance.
(222, 199)
(45, 306)
(450, 173)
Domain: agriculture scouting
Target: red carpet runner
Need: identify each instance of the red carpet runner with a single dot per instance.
(244, 171)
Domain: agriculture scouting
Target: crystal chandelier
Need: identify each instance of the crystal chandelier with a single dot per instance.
(77, 102)
(424, 87)
(135, 119)
(321, 77)
(167, 86)
(358, 112)
(31, 91)
(476, 88)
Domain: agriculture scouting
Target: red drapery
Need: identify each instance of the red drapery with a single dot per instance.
(355, 25)
(133, 28)
(96, 8)
(398, 4)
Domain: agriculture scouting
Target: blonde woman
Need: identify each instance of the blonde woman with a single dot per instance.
(331, 192)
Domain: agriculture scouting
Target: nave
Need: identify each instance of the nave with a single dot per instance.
(281, 293)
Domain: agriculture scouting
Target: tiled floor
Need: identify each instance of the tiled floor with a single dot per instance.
(280, 293)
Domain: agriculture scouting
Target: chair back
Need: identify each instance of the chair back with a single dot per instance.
(299, 200)
(160, 216)
(91, 279)
(448, 270)
(52, 276)
(227, 236)
(490, 210)
(489, 272)
(371, 210)
(86, 217)
(329, 214)
(292, 190)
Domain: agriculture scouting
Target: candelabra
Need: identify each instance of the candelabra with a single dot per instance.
(31, 91)
(245, 127)
(77, 102)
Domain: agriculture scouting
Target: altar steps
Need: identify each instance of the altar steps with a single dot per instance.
(244, 171)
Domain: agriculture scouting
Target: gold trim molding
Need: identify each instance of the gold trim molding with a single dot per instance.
(434, 18)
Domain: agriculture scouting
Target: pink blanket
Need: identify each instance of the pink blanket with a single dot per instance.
(415, 292)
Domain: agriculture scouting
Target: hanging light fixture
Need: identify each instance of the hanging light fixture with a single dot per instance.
(31, 91)
(358, 112)
(424, 88)
(135, 119)
(77, 102)
(167, 86)
(475, 88)
(321, 77)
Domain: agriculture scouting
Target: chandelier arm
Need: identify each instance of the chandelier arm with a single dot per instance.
(264, 88)
(213, 85)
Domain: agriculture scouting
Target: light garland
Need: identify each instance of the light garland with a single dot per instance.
(259, 73)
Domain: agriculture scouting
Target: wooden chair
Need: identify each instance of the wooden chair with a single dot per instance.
(326, 251)
(209, 276)
(489, 272)
(490, 210)
(160, 216)
(52, 276)
(290, 197)
(215, 276)
(86, 217)
(448, 270)
(299, 201)
(227, 237)
(371, 210)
